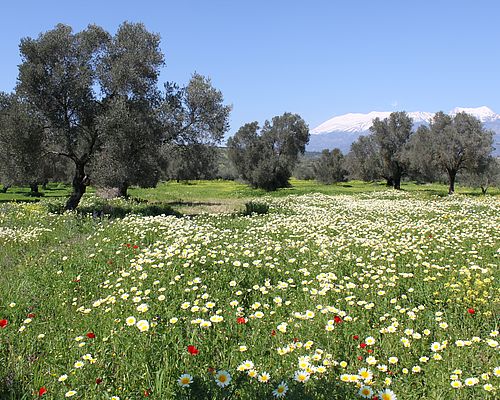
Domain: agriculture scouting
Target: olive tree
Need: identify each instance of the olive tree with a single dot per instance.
(330, 167)
(459, 143)
(392, 135)
(75, 80)
(267, 158)
(22, 159)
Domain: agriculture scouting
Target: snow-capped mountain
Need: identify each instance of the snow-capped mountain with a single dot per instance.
(340, 131)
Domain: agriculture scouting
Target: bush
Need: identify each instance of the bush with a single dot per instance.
(256, 208)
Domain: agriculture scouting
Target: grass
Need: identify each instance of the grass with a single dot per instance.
(318, 284)
(228, 196)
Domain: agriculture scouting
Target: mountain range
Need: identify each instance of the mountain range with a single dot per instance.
(340, 131)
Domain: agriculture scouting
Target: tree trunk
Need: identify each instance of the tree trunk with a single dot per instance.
(80, 182)
(122, 190)
(397, 182)
(389, 182)
(34, 189)
(5, 188)
(452, 174)
(484, 189)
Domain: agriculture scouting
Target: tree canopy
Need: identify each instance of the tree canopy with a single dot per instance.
(266, 159)
(97, 98)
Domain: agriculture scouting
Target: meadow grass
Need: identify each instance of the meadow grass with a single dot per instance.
(356, 291)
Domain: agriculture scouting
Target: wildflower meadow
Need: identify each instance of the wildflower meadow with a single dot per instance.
(383, 295)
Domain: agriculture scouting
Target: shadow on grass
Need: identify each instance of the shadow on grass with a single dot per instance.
(192, 203)
(11, 389)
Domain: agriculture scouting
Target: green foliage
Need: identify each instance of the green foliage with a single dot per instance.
(253, 207)
(97, 97)
(459, 143)
(22, 160)
(194, 114)
(266, 160)
(363, 161)
(190, 162)
(392, 135)
(330, 168)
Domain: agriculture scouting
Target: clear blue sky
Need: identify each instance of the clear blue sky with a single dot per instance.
(315, 58)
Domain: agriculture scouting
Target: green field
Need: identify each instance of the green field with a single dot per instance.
(338, 292)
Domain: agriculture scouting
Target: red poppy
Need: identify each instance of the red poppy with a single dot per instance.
(295, 340)
(355, 337)
(98, 381)
(370, 351)
(31, 315)
(91, 335)
(241, 320)
(471, 311)
(135, 246)
(42, 391)
(3, 323)
(337, 319)
(146, 393)
(360, 358)
(273, 333)
(127, 244)
(193, 350)
(362, 345)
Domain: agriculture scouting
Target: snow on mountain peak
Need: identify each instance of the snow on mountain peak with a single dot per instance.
(483, 113)
(357, 122)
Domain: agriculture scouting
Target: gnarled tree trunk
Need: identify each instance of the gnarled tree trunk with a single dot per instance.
(397, 182)
(34, 189)
(122, 190)
(452, 174)
(80, 183)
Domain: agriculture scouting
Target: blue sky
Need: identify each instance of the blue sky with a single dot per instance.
(315, 58)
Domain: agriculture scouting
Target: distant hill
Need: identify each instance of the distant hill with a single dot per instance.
(340, 131)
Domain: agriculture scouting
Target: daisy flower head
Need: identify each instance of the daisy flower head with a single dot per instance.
(365, 374)
(456, 384)
(471, 381)
(301, 376)
(264, 377)
(496, 372)
(222, 378)
(252, 373)
(70, 393)
(366, 392)
(488, 387)
(130, 321)
(370, 340)
(280, 390)
(435, 346)
(371, 360)
(185, 380)
(142, 325)
(248, 364)
(387, 394)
